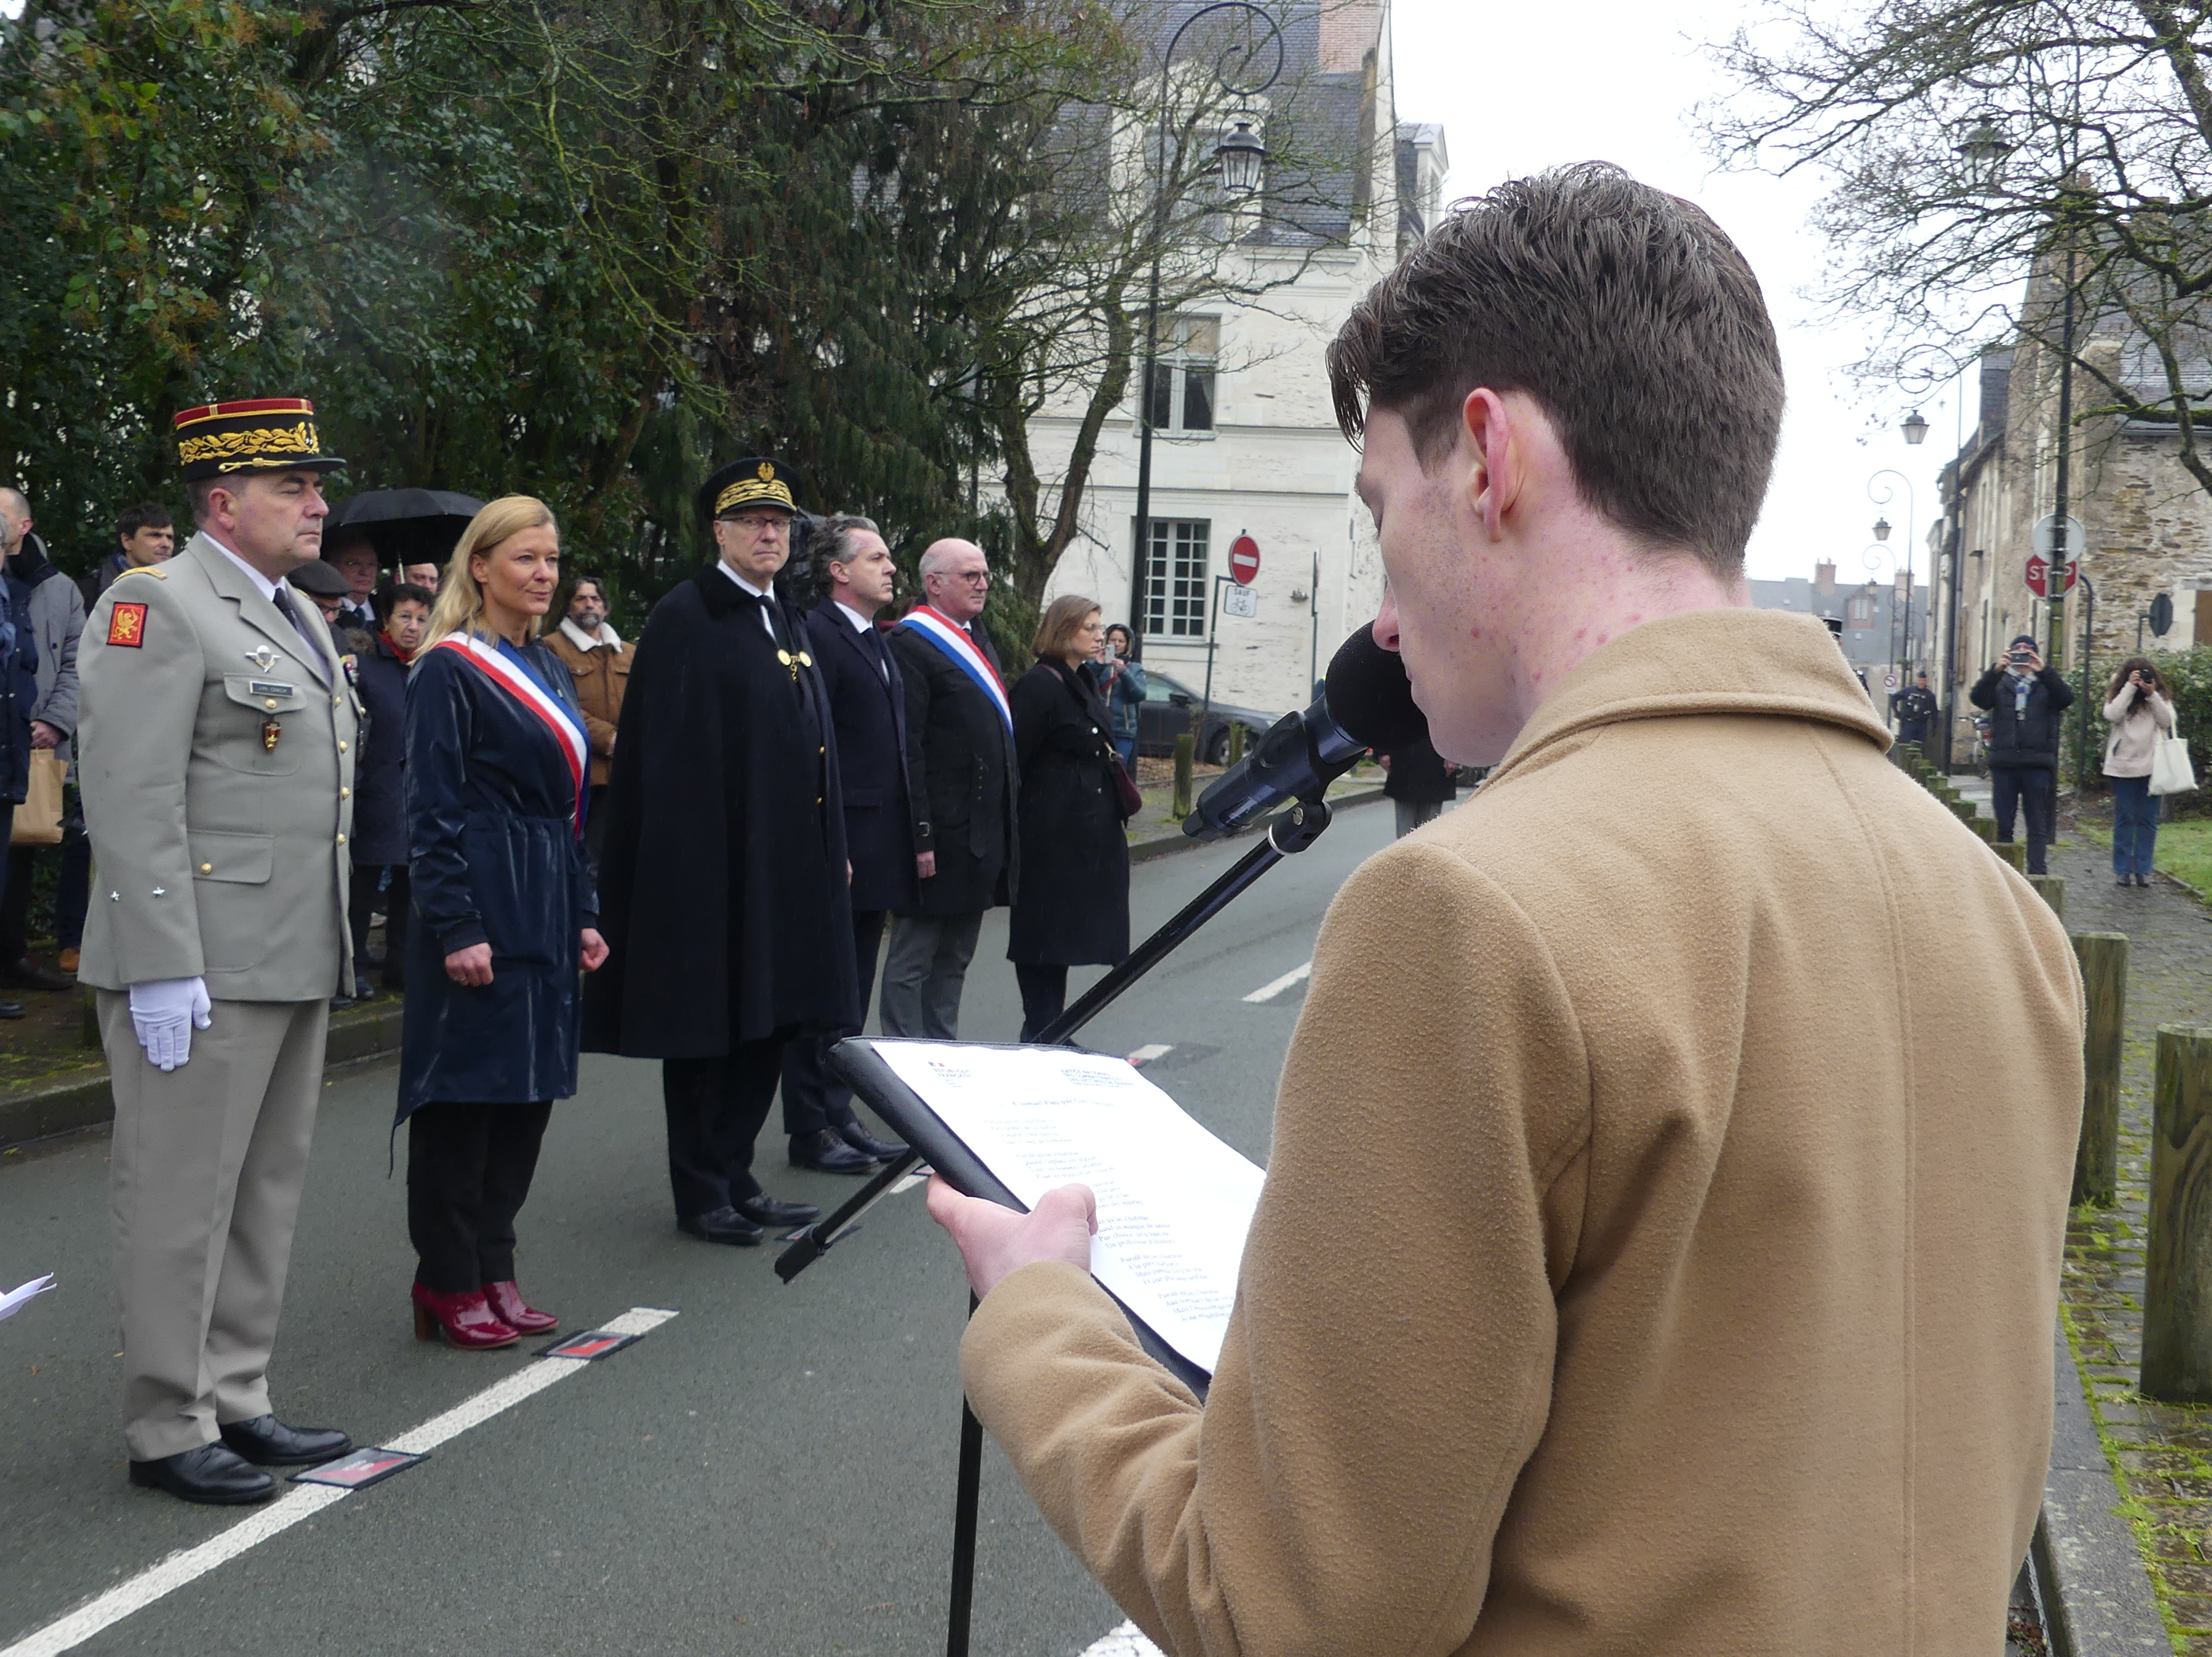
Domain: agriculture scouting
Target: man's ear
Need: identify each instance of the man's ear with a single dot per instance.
(1489, 458)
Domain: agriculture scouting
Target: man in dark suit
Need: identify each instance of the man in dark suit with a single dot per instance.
(963, 777)
(868, 709)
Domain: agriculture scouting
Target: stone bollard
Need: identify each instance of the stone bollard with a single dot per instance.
(2012, 852)
(1238, 734)
(2052, 890)
(1186, 748)
(1982, 826)
(2176, 1336)
(2104, 961)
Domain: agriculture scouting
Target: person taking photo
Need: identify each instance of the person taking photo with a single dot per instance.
(2024, 699)
(2140, 710)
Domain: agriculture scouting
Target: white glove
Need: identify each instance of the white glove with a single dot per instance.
(164, 1013)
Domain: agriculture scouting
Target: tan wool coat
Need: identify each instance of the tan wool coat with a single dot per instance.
(1660, 1238)
(601, 675)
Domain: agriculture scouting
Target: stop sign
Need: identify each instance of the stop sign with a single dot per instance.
(1244, 559)
(2039, 576)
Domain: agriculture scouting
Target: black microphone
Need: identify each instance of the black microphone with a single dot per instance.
(1365, 701)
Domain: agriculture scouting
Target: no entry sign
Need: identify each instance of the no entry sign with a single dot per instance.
(1244, 559)
(2039, 576)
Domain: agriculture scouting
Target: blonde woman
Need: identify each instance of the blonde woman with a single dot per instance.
(2140, 709)
(504, 914)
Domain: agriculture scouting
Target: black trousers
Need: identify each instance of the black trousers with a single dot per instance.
(361, 903)
(469, 1168)
(2030, 788)
(715, 1108)
(813, 1097)
(1044, 996)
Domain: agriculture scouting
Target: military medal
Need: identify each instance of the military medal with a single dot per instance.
(269, 731)
(262, 658)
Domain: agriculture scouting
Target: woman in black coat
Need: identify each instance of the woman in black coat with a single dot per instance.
(497, 765)
(379, 841)
(1072, 909)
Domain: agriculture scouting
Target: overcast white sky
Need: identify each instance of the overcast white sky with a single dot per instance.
(1522, 88)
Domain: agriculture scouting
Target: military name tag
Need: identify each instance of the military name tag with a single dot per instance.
(270, 688)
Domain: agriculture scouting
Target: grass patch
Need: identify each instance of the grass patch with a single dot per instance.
(2185, 851)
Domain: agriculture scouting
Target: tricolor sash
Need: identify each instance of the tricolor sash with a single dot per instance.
(567, 734)
(953, 640)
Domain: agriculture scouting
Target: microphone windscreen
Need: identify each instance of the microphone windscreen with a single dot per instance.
(1369, 697)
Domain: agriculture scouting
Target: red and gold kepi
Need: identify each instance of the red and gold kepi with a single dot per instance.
(262, 434)
(756, 481)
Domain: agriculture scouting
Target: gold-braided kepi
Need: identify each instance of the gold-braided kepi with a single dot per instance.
(756, 481)
(267, 433)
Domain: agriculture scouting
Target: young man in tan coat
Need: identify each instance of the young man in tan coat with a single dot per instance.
(1661, 1241)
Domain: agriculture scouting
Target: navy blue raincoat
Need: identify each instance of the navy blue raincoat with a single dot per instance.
(494, 857)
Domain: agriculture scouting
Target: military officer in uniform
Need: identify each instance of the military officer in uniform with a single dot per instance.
(219, 737)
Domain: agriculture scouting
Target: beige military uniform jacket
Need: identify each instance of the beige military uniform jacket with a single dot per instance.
(217, 762)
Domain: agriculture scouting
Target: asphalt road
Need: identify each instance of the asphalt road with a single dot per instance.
(768, 1474)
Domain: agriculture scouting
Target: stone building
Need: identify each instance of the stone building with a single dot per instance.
(1244, 438)
(1882, 626)
(2146, 523)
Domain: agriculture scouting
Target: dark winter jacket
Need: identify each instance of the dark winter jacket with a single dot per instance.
(963, 775)
(2028, 736)
(56, 615)
(1417, 775)
(19, 688)
(380, 780)
(495, 859)
(1073, 909)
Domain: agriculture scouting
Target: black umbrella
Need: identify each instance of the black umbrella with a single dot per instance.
(405, 526)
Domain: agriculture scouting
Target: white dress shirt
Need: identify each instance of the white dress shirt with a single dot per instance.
(756, 591)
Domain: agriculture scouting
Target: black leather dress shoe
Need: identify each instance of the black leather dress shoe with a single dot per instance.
(30, 974)
(211, 1474)
(825, 1151)
(884, 1150)
(268, 1443)
(765, 1210)
(721, 1225)
(11, 1010)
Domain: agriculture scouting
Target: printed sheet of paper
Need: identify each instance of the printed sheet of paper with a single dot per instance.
(16, 1299)
(1174, 1202)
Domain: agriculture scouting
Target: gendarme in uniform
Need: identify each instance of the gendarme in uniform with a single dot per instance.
(219, 735)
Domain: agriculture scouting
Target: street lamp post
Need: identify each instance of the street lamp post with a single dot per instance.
(1241, 156)
(1881, 495)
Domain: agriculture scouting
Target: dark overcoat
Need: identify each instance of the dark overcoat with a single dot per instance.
(2027, 737)
(1073, 909)
(867, 710)
(963, 776)
(722, 875)
(379, 778)
(1417, 775)
(494, 858)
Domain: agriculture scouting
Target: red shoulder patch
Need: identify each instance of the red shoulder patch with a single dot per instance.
(127, 626)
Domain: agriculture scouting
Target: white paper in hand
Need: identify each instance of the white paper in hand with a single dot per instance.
(1174, 1202)
(16, 1299)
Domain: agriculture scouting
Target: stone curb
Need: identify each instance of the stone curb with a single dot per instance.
(1166, 845)
(84, 1101)
(2097, 1597)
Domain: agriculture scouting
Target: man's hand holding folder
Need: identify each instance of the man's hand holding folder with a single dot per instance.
(995, 1240)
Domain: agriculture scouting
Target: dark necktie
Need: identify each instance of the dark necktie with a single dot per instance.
(876, 649)
(283, 603)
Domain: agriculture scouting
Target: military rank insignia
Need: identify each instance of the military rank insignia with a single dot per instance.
(127, 626)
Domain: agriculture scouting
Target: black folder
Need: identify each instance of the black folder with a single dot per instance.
(863, 1068)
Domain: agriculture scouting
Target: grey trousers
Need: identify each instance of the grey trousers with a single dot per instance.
(205, 1174)
(924, 969)
(1413, 813)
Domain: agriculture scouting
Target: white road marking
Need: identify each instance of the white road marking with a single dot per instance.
(906, 1182)
(1269, 992)
(1144, 1055)
(1123, 1641)
(303, 1502)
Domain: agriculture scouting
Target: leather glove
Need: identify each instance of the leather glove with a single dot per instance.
(164, 1013)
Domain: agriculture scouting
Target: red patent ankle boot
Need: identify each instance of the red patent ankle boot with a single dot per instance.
(464, 1319)
(509, 1308)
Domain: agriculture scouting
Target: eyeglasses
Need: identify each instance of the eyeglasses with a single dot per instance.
(974, 578)
(757, 521)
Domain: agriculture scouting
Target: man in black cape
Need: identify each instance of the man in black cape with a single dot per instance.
(722, 880)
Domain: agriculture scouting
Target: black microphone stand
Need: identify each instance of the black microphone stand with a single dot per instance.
(1287, 836)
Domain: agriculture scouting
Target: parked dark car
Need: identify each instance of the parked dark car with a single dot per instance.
(1170, 706)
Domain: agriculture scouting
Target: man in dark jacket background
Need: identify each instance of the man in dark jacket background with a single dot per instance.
(19, 690)
(867, 708)
(54, 611)
(960, 760)
(722, 886)
(2025, 701)
(1418, 784)
(145, 534)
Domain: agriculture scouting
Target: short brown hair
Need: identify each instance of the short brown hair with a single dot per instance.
(1625, 312)
(1063, 619)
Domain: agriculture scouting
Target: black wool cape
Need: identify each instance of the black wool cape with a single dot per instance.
(722, 890)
